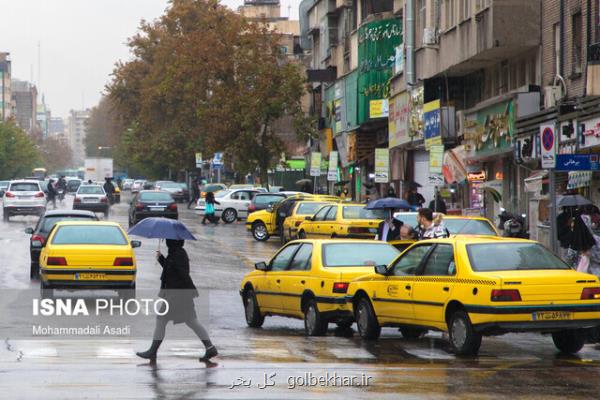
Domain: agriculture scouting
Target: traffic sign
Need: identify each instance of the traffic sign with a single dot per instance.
(548, 141)
(218, 160)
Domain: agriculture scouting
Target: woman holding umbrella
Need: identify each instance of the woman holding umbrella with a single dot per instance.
(176, 287)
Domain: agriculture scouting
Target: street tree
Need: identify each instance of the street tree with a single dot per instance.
(18, 153)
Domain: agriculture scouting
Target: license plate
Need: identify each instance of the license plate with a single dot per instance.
(90, 277)
(551, 315)
(90, 200)
(157, 208)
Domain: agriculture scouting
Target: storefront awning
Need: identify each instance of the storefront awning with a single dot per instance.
(535, 181)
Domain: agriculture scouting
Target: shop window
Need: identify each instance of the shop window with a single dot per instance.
(577, 45)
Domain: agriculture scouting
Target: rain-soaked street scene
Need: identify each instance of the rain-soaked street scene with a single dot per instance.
(299, 199)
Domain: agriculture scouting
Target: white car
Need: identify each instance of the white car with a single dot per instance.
(137, 186)
(127, 184)
(24, 197)
(233, 204)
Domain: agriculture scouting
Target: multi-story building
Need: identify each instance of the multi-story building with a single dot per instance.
(43, 117)
(24, 97)
(5, 87)
(76, 133)
(56, 126)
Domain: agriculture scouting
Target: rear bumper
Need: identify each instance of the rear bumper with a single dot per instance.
(24, 210)
(69, 278)
(535, 326)
(97, 207)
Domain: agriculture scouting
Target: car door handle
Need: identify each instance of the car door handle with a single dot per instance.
(407, 287)
(446, 289)
(303, 282)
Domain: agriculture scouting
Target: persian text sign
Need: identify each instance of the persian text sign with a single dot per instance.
(315, 164)
(382, 165)
(398, 120)
(432, 116)
(333, 163)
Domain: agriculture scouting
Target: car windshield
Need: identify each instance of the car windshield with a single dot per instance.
(89, 234)
(309, 208)
(266, 199)
(24, 187)
(466, 226)
(358, 254)
(512, 257)
(90, 190)
(50, 221)
(360, 212)
(155, 196)
(213, 188)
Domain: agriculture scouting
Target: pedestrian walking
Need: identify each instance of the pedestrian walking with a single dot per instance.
(209, 209)
(581, 241)
(178, 289)
(109, 189)
(431, 228)
(414, 198)
(51, 193)
(195, 189)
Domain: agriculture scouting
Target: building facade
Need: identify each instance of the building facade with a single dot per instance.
(24, 97)
(6, 105)
(77, 128)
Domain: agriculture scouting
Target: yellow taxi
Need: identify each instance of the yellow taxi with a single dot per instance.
(344, 220)
(271, 222)
(90, 255)
(308, 279)
(471, 286)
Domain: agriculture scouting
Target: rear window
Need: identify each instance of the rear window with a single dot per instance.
(512, 257)
(24, 187)
(268, 199)
(358, 254)
(89, 234)
(4, 183)
(49, 222)
(360, 212)
(309, 208)
(155, 196)
(469, 227)
(90, 190)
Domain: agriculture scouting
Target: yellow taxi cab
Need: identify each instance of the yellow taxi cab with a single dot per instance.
(271, 222)
(307, 279)
(89, 255)
(343, 220)
(471, 286)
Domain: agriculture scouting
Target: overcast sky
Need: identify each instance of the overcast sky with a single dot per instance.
(80, 42)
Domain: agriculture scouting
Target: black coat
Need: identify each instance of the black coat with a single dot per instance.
(392, 234)
(177, 287)
(51, 190)
(441, 206)
(415, 199)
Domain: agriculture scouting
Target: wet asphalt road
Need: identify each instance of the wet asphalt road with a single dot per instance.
(520, 366)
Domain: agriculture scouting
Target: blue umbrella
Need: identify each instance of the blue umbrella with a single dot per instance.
(161, 228)
(388, 203)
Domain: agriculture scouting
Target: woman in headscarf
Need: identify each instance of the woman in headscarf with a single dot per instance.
(178, 289)
(589, 260)
(580, 240)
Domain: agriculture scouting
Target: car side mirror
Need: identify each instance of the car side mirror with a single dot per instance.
(261, 266)
(29, 231)
(36, 244)
(135, 244)
(308, 218)
(381, 269)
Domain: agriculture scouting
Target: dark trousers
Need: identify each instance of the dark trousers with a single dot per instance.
(193, 200)
(210, 218)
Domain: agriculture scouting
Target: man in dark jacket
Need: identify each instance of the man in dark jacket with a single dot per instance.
(389, 229)
(51, 193)
(438, 204)
(195, 195)
(109, 189)
(178, 289)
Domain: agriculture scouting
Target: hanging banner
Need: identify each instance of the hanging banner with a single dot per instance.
(436, 158)
(432, 117)
(398, 127)
(198, 160)
(333, 163)
(315, 164)
(548, 141)
(382, 165)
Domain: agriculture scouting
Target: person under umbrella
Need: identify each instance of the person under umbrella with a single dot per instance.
(389, 229)
(179, 290)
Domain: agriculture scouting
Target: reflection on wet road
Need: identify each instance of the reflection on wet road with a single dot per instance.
(274, 362)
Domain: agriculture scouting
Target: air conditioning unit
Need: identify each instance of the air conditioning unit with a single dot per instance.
(552, 94)
(429, 36)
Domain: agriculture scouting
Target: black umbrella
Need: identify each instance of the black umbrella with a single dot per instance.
(304, 182)
(573, 200)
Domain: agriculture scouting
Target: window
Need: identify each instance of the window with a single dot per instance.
(90, 190)
(481, 4)
(308, 208)
(438, 263)
(512, 256)
(155, 196)
(332, 214)
(24, 187)
(557, 52)
(320, 215)
(466, 226)
(465, 9)
(421, 19)
(301, 261)
(360, 212)
(49, 222)
(577, 47)
(450, 13)
(282, 259)
(358, 254)
(89, 234)
(410, 261)
(268, 199)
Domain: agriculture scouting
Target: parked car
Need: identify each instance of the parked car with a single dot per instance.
(127, 184)
(39, 234)
(262, 201)
(185, 190)
(233, 204)
(343, 220)
(149, 185)
(3, 187)
(137, 185)
(88, 255)
(91, 198)
(23, 197)
(152, 203)
(73, 184)
(172, 187)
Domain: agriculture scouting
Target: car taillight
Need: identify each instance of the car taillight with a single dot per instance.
(139, 206)
(77, 200)
(104, 200)
(56, 261)
(38, 238)
(172, 207)
(298, 223)
(340, 287)
(590, 293)
(251, 208)
(506, 295)
(39, 194)
(9, 194)
(358, 230)
(123, 262)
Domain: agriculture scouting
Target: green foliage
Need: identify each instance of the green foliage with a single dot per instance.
(18, 154)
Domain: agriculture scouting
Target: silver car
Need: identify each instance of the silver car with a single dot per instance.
(91, 198)
(23, 197)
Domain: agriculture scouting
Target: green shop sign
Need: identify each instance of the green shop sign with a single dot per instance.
(377, 43)
(490, 130)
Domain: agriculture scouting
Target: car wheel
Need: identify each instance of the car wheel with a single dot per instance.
(569, 341)
(229, 215)
(368, 326)
(259, 231)
(314, 323)
(412, 333)
(301, 235)
(34, 270)
(463, 338)
(254, 318)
